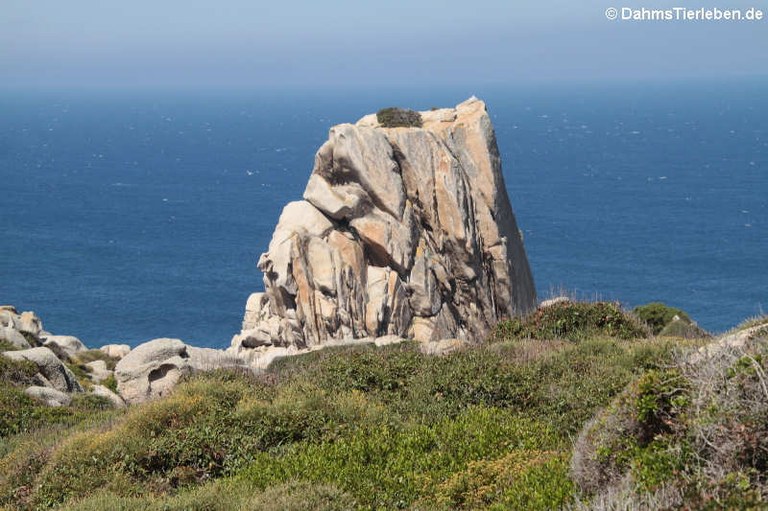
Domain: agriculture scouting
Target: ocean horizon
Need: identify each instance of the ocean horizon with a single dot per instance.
(131, 216)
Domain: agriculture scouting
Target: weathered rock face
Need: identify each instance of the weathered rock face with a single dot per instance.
(152, 369)
(402, 231)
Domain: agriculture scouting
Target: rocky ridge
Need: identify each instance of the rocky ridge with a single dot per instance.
(54, 355)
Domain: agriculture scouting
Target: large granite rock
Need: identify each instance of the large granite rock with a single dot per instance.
(152, 369)
(116, 350)
(52, 371)
(406, 232)
(70, 345)
(13, 337)
(49, 396)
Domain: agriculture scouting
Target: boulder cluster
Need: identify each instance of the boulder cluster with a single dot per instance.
(54, 355)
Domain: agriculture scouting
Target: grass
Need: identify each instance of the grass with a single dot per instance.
(755, 321)
(7, 346)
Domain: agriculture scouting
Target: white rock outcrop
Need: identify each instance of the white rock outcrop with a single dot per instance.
(404, 232)
(49, 396)
(152, 369)
(116, 350)
(69, 344)
(13, 337)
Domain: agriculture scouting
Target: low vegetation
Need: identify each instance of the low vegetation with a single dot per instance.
(693, 435)
(20, 413)
(488, 427)
(576, 321)
(398, 118)
(658, 315)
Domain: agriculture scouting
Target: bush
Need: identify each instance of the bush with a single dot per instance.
(630, 432)
(227, 495)
(389, 467)
(519, 480)
(20, 413)
(683, 328)
(7, 346)
(696, 429)
(398, 118)
(658, 315)
(573, 321)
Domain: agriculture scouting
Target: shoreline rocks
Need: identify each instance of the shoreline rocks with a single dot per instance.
(52, 371)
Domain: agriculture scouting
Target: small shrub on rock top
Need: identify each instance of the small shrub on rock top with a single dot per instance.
(398, 118)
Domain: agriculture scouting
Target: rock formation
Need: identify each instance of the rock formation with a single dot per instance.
(152, 369)
(402, 231)
(22, 338)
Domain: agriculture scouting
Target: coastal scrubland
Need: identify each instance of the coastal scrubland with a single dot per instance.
(577, 406)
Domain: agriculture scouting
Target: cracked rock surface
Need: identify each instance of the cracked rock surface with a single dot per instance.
(407, 232)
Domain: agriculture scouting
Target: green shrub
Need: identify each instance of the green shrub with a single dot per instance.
(658, 315)
(389, 467)
(90, 402)
(683, 328)
(398, 118)
(519, 480)
(573, 321)
(695, 429)
(81, 372)
(110, 382)
(20, 413)
(226, 495)
(26, 455)
(384, 426)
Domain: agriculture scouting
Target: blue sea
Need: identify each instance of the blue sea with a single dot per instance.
(126, 216)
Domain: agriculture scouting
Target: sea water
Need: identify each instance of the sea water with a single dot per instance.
(126, 216)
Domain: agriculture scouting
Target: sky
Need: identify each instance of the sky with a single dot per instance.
(357, 43)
